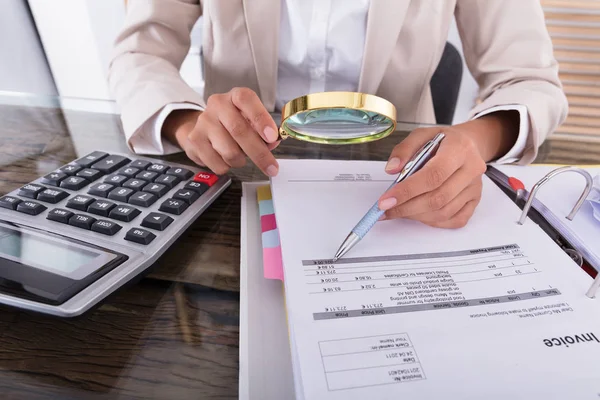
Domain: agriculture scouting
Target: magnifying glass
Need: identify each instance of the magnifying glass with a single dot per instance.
(338, 118)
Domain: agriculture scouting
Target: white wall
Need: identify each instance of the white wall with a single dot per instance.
(77, 36)
(23, 66)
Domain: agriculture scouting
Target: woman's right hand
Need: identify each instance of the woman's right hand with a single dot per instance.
(233, 125)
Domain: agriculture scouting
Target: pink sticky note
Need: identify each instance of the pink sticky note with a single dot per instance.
(272, 263)
(267, 222)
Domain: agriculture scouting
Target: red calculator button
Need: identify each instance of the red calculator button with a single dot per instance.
(206, 177)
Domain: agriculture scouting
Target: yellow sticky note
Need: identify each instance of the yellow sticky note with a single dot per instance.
(264, 193)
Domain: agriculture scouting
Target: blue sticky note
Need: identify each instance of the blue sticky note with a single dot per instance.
(265, 207)
(270, 239)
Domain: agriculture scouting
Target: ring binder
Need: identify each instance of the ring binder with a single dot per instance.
(550, 175)
(592, 291)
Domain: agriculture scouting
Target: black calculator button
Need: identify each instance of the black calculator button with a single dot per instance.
(141, 164)
(120, 194)
(80, 202)
(128, 171)
(74, 183)
(181, 173)
(70, 169)
(116, 180)
(160, 168)
(173, 206)
(124, 213)
(135, 184)
(140, 236)
(101, 189)
(168, 180)
(90, 174)
(52, 196)
(106, 227)
(197, 187)
(110, 164)
(157, 221)
(101, 207)
(189, 196)
(82, 221)
(54, 178)
(59, 215)
(30, 207)
(147, 176)
(9, 202)
(31, 190)
(156, 189)
(91, 158)
(142, 199)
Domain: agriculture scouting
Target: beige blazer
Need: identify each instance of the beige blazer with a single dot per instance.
(506, 46)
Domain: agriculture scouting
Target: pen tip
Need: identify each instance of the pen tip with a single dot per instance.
(335, 259)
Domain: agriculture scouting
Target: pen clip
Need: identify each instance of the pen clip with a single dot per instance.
(420, 157)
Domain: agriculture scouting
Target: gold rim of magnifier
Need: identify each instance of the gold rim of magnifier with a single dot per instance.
(351, 100)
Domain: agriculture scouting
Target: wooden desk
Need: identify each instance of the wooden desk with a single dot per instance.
(174, 334)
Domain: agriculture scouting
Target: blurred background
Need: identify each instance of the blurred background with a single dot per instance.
(63, 47)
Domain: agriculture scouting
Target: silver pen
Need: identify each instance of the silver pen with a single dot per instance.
(373, 215)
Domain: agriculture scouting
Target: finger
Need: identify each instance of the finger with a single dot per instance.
(202, 149)
(431, 176)
(446, 213)
(405, 150)
(460, 219)
(437, 199)
(227, 148)
(248, 140)
(248, 102)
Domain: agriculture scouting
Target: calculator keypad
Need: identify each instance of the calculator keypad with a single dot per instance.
(106, 227)
(52, 196)
(101, 189)
(101, 207)
(74, 183)
(127, 189)
(80, 202)
(110, 164)
(30, 207)
(120, 194)
(116, 180)
(141, 236)
(59, 215)
(31, 191)
(124, 213)
(82, 221)
(9, 202)
(54, 178)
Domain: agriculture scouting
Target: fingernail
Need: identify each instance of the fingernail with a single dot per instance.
(270, 134)
(386, 204)
(271, 170)
(392, 164)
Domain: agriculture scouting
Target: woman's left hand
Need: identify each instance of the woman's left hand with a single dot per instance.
(446, 190)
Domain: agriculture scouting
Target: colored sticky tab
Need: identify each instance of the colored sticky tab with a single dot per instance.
(270, 239)
(264, 193)
(268, 223)
(515, 184)
(265, 207)
(272, 263)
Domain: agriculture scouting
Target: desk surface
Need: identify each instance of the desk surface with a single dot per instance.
(174, 334)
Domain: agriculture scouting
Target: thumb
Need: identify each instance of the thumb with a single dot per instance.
(407, 148)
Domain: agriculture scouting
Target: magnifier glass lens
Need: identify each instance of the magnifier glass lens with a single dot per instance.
(338, 123)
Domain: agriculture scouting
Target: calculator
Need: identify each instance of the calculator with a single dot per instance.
(72, 237)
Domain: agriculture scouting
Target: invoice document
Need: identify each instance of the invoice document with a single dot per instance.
(494, 310)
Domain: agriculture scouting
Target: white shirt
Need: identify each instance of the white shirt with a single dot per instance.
(320, 49)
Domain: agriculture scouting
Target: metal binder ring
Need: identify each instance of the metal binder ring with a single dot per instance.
(550, 175)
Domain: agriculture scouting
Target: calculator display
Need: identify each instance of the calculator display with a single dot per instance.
(41, 253)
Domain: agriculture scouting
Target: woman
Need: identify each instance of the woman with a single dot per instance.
(258, 54)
